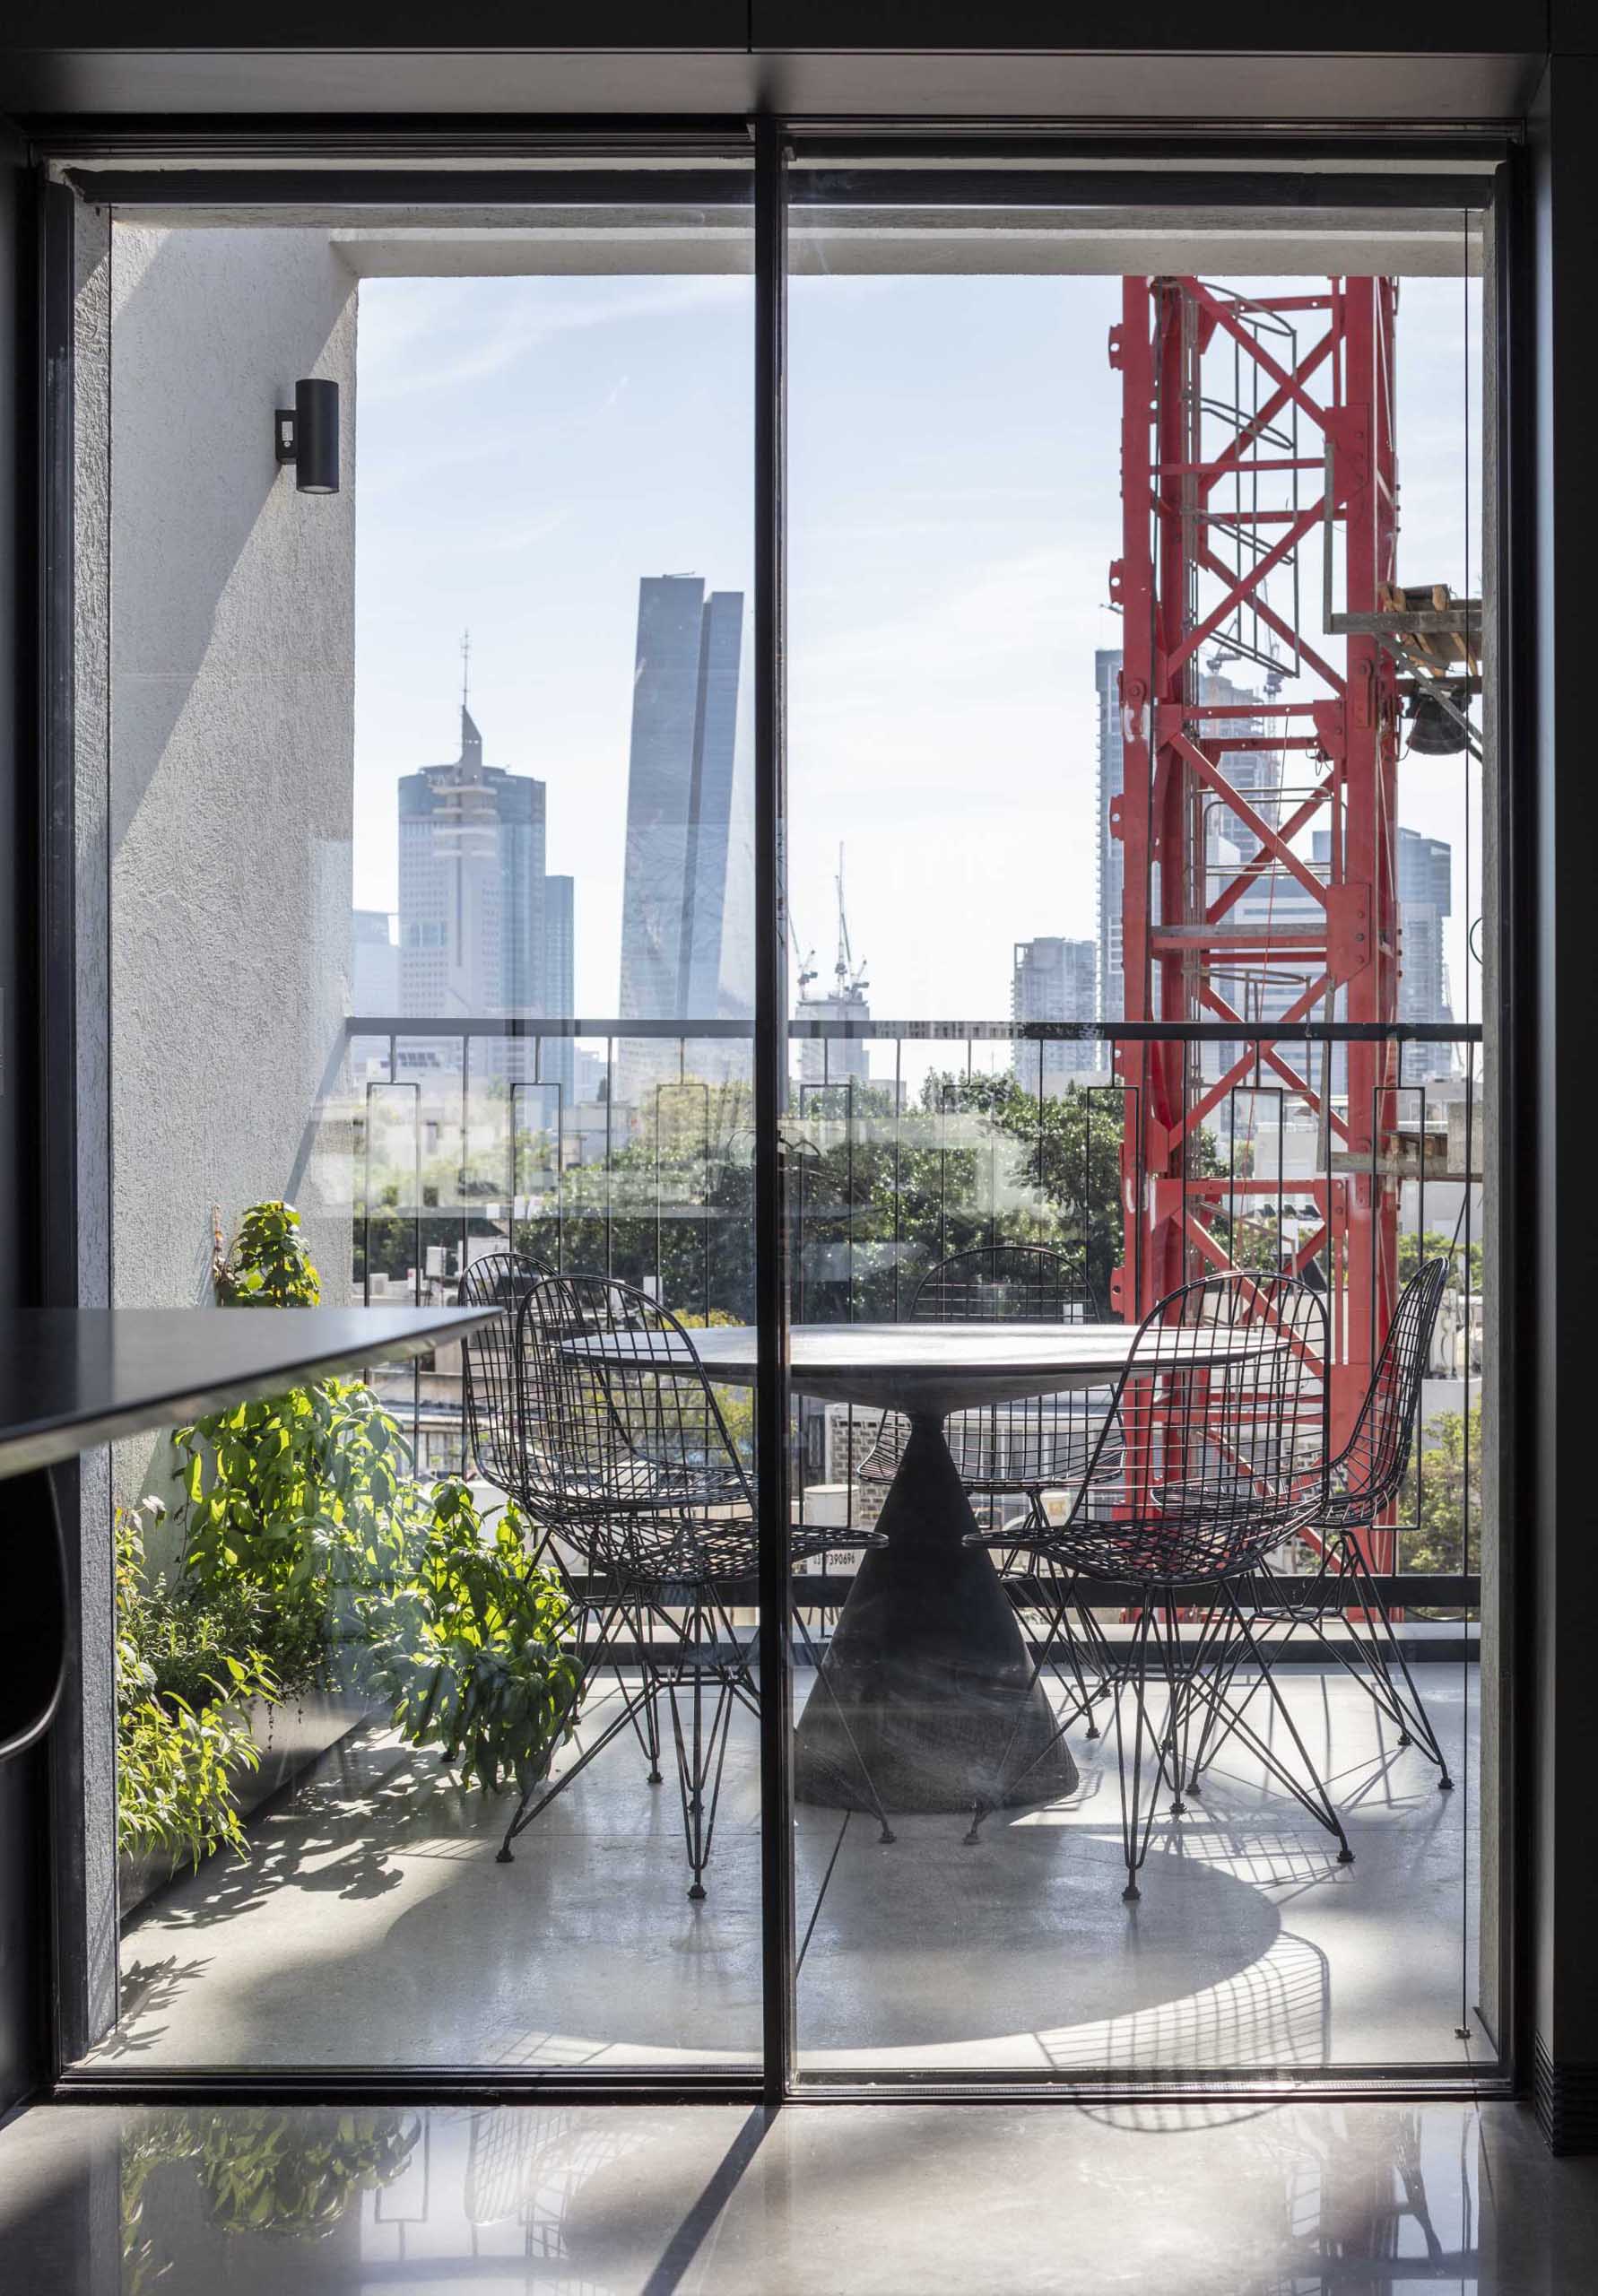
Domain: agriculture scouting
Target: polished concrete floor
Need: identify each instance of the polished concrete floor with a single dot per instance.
(834, 2200)
(371, 1925)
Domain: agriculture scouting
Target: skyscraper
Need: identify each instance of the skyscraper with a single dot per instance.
(1275, 898)
(1228, 842)
(1425, 897)
(374, 966)
(1112, 853)
(471, 897)
(1054, 980)
(679, 798)
(559, 978)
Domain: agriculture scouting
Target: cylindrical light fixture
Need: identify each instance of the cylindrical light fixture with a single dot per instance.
(307, 435)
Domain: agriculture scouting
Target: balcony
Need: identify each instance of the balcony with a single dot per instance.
(1250, 1952)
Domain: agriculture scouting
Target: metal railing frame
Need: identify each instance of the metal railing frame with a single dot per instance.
(531, 1230)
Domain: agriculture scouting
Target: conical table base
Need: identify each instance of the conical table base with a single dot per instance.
(928, 1665)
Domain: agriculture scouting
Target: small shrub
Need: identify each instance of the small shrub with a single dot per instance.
(268, 1265)
(183, 1736)
(303, 1499)
(312, 1558)
(470, 1655)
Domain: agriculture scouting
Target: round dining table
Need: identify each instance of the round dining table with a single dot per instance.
(926, 1664)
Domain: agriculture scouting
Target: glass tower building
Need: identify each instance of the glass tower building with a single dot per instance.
(679, 798)
(560, 977)
(472, 914)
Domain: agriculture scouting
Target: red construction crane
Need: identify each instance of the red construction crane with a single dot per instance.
(1260, 512)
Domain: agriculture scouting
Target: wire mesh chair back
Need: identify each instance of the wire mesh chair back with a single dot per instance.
(491, 1369)
(634, 1437)
(1214, 1449)
(1042, 1440)
(1006, 1283)
(1367, 1472)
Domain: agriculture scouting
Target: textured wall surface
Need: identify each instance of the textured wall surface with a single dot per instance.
(232, 732)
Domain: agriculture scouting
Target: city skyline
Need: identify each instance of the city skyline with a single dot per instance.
(685, 726)
(947, 578)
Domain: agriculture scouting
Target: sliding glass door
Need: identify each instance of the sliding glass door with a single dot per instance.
(1138, 965)
(430, 978)
(865, 795)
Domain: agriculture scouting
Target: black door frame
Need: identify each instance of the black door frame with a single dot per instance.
(348, 172)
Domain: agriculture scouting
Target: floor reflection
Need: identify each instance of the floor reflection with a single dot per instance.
(615, 2200)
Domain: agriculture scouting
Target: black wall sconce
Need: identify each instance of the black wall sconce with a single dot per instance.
(307, 436)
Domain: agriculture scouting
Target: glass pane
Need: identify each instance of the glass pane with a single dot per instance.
(431, 980)
(1132, 698)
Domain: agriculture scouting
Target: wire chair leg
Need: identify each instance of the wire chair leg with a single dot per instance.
(1056, 1630)
(1314, 1798)
(1180, 1711)
(1058, 1627)
(1413, 1720)
(1103, 1659)
(1344, 1582)
(701, 1755)
(645, 1722)
(527, 1808)
(1216, 1727)
(875, 1799)
(1004, 1785)
(739, 1674)
(1137, 1817)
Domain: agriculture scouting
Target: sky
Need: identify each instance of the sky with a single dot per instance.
(527, 448)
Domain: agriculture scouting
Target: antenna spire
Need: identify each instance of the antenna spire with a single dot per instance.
(466, 665)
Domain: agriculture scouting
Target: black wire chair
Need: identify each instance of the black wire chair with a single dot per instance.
(1364, 1480)
(490, 1367)
(1016, 1449)
(647, 1478)
(1213, 1451)
(495, 1392)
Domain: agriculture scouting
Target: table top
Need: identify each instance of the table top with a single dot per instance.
(932, 1367)
(72, 1377)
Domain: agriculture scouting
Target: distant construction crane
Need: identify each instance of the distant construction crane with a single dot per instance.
(850, 977)
(805, 959)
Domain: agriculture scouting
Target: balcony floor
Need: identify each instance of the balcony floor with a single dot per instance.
(370, 1925)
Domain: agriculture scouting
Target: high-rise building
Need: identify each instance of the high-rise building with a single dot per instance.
(838, 1059)
(472, 910)
(559, 978)
(1229, 843)
(374, 965)
(1424, 867)
(1112, 853)
(1056, 980)
(1425, 899)
(680, 800)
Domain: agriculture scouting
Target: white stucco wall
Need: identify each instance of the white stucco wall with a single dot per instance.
(233, 744)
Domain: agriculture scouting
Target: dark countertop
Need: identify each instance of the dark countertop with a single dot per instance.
(72, 1377)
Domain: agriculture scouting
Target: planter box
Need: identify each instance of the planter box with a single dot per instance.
(292, 1739)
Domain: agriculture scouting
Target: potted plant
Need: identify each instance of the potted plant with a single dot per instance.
(470, 1651)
